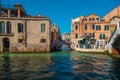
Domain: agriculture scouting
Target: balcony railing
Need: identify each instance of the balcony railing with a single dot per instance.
(103, 37)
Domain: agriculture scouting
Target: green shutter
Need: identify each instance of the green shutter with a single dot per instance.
(100, 36)
(103, 36)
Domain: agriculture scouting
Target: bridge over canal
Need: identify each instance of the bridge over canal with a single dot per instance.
(114, 41)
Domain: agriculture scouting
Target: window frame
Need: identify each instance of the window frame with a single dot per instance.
(76, 27)
(97, 29)
(102, 36)
(20, 40)
(20, 28)
(86, 27)
(93, 26)
(43, 40)
(2, 26)
(43, 27)
(76, 36)
(8, 27)
(106, 27)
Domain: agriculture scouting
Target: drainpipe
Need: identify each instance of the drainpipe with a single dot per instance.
(2, 47)
(25, 33)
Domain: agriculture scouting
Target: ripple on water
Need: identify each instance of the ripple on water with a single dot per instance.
(63, 65)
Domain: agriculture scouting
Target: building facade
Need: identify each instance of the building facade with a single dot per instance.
(20, 32)
(55, 37)
(90, 32)
(66, 36)
(55, 33)
(93, 32)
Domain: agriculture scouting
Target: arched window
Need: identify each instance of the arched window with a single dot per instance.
(8, 28)
(76, 27)
(86, 26)
(2, 27)
(76, 35)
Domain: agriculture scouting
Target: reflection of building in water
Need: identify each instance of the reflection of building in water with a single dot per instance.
(31, 66)
(55, 33)
(61, 66)
(5, 71)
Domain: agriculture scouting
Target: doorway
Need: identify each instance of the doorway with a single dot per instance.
(6, 44)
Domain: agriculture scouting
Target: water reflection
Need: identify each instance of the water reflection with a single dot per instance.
(116, 68)
(5, 70)
(91, 66)
(63, 65)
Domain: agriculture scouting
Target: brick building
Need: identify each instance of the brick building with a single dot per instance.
(93, 32)
(55, 33)
(66, 37)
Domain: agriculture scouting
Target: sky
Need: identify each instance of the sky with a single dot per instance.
(62, 11)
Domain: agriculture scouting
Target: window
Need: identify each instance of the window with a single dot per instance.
(93, 26)
(43, 27)
(85, 33)
(90, 19)
(8, 28)
(93, 19)
(97, 19)
(85, 19)
(2, 27)
(102, 36)
(76, 27)
(43, 40)
(20, 40)
(119, 24)
(93, 34)
(106, 27)
(86, 27)
(98, 27)
(20, 27)
(76, 35)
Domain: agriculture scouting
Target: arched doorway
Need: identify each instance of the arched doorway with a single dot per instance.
(6, 44)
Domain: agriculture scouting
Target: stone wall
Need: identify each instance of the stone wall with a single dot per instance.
(31, 35)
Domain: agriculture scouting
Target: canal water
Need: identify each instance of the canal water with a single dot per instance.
(62, 65)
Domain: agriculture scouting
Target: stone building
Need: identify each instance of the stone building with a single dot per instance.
(66, 36)
(55, 37)
(93, 32)
(55, 33)
(21, 32)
